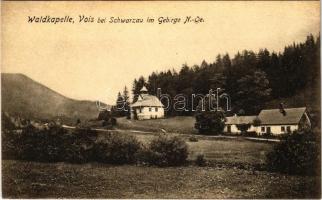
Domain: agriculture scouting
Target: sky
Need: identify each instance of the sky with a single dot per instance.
(93, 61)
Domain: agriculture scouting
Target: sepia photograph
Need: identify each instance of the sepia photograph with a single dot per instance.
(160, 100)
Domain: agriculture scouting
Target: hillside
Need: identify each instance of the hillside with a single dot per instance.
(308, 97)
(27, 98)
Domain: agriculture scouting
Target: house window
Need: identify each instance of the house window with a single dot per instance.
(150, 109)
(263, 128)
(156, 109)
(288, 128)
(282, 128)
(140, 110)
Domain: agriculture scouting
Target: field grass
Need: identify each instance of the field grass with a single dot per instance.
(21, 179)
(231, 152)
(179, 124)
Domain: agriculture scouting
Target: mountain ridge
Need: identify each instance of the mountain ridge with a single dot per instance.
(25, 97)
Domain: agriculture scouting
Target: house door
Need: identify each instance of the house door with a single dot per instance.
(268, 130)
(229, 129)
(135, 114)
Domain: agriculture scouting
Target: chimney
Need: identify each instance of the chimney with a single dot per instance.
(282, 110)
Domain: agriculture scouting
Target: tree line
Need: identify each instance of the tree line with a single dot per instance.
(251, 79)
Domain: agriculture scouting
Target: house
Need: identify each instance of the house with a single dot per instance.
(232, 123)
(279, 121)
(271, 121)
(147, 107)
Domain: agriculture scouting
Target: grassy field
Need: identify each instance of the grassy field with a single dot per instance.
(177, 124)
(23, 179)
(232, 152)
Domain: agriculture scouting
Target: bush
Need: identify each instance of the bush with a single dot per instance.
(49, 145)
(6, 122)
(79, 145)
(166, 151)
(117, 149)
(243, 127)
(297, 153)
(257, 122)
(8, 143)
(200, 160)
(267, 135)
(193, 139)
(250, 134)
(210, 122)
(38, 145)
(82, 145)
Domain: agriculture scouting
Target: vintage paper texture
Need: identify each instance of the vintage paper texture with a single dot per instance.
(58, 58)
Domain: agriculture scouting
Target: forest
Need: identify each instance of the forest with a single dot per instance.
(250, 78)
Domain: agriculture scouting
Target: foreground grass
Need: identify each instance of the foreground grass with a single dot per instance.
(23, 179)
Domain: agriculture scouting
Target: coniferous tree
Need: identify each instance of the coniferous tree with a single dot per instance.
(126, 99)
(137, 86)
(119, 105)
(287, 73)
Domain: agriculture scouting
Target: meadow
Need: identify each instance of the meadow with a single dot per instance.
(178, 124)
(235, 169)
(24, 179)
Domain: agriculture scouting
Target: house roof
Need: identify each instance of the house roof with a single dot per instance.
(147, 100)
(275, 117)
(240, 119)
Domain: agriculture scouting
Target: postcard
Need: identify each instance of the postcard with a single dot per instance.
(160, 99)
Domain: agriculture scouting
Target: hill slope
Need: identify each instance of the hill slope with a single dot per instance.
(27, 98)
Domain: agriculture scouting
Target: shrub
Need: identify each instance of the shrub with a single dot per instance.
(243, 127)
(208, 119)
(82, 145)
(39, 145)
(6, 122)
(79, 145)
(200, 160)
(250, 134)
(117, 149)
(268, 135)
(166, 151)
(297, 153)
(49, 145)
(210, 122)
(257, 122)
(8, 143)
(193, 139)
